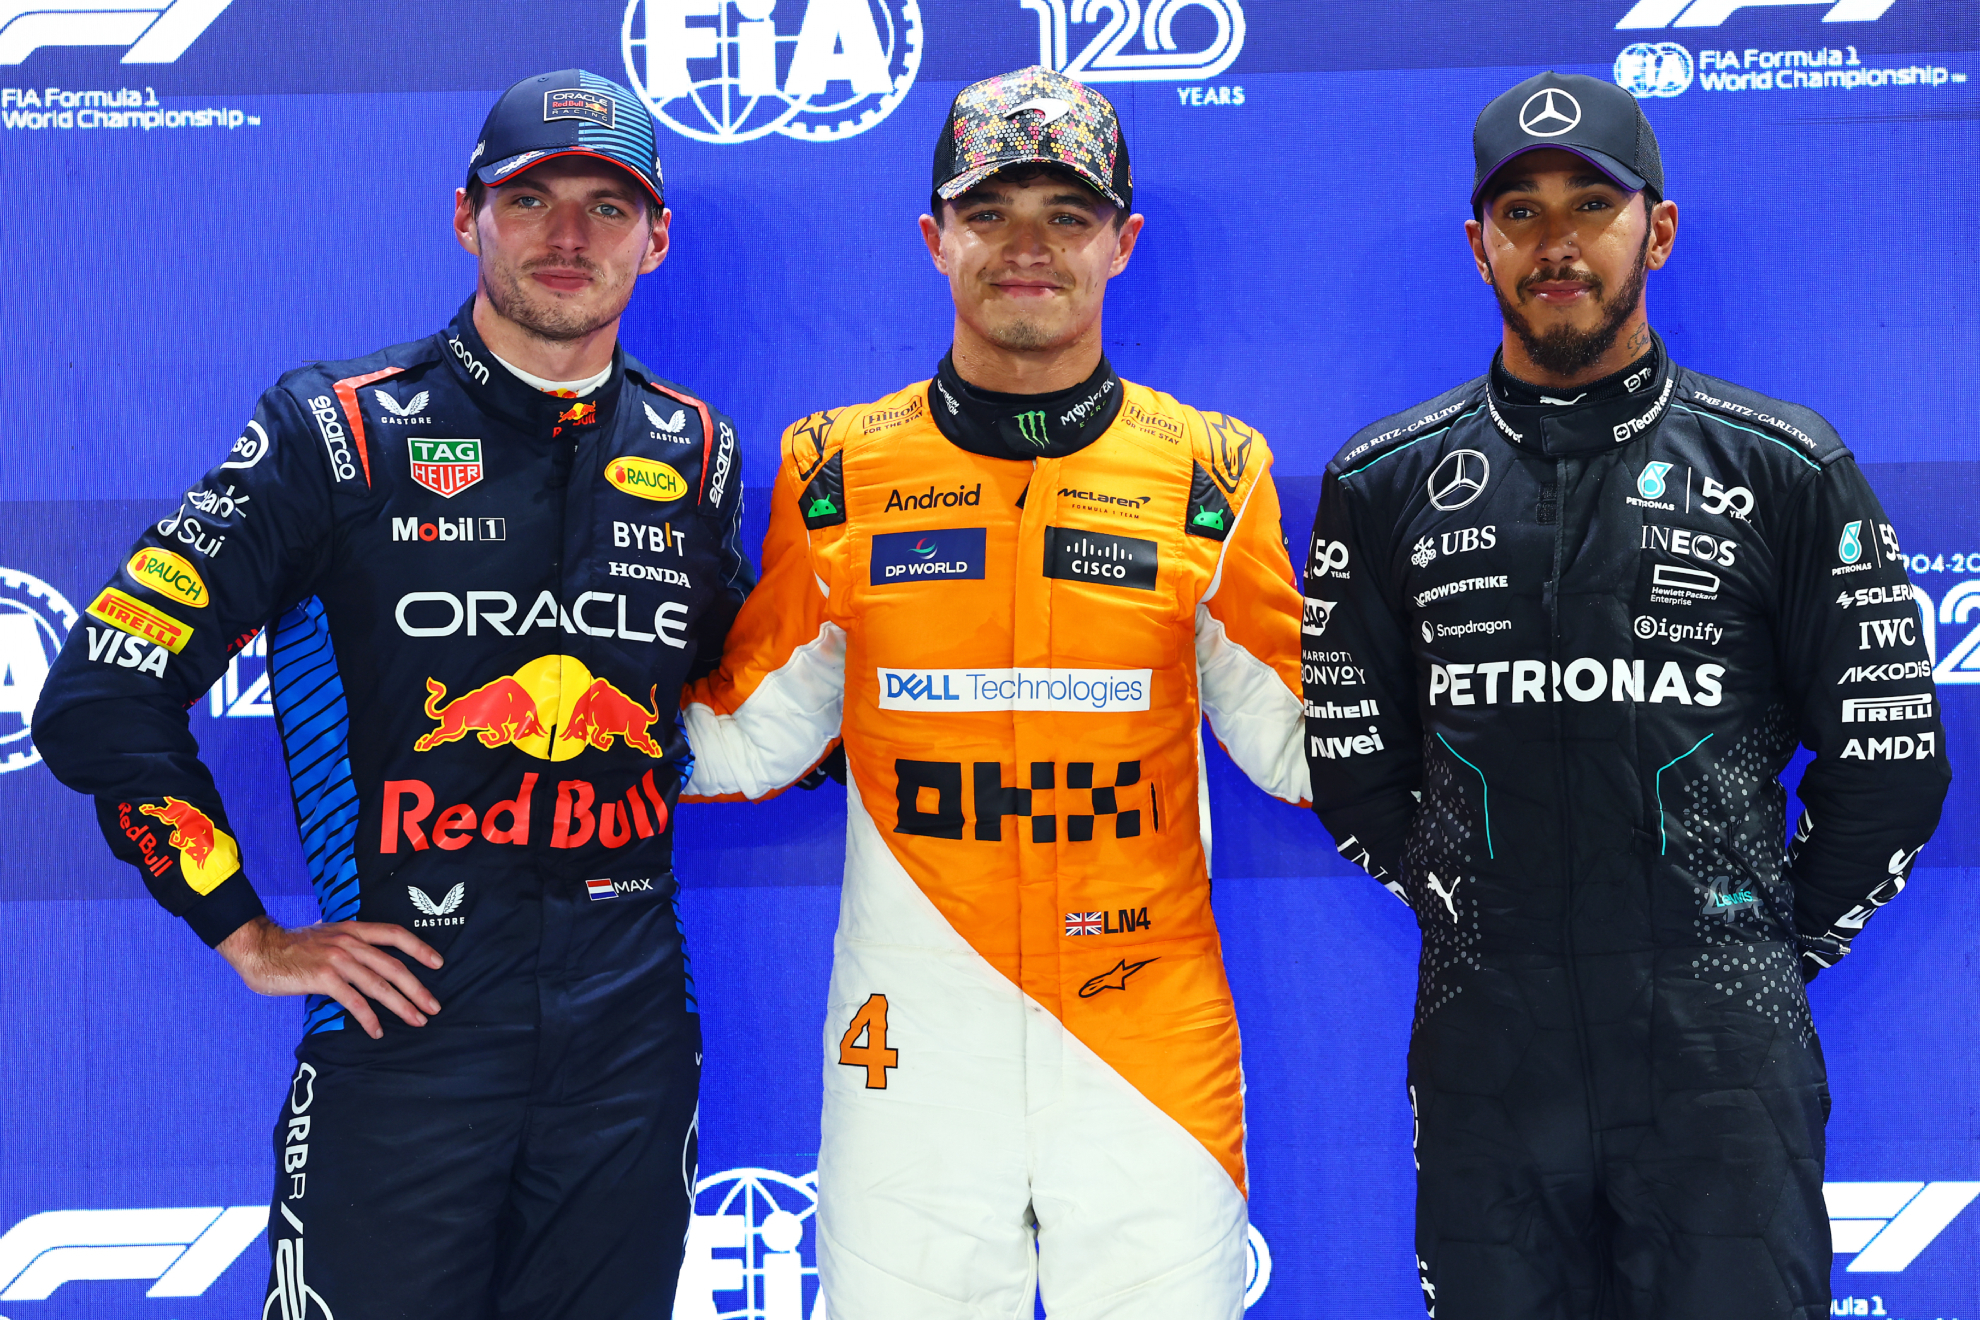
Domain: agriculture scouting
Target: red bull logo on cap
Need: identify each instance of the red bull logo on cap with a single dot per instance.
(552, 708)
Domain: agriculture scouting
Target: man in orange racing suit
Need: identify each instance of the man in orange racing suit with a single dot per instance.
(1015, 591)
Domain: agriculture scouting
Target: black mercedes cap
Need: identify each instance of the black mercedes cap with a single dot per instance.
(1032, 116)
(567, 113)
(1597, 121)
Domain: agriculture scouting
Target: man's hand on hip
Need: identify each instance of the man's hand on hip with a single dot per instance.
(345, 960)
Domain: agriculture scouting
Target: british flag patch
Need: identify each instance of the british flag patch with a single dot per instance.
(1085, 923)
(600, 889)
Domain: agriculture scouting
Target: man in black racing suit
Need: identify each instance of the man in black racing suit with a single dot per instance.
(488, 560)
(1565, 625)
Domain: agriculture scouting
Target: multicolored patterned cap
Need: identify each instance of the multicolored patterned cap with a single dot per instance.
(567, 113)
(1035, 116)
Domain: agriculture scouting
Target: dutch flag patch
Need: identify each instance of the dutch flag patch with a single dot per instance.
(600, 889)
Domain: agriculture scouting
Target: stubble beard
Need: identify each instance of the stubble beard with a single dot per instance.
(543, 315)
(1565, 350)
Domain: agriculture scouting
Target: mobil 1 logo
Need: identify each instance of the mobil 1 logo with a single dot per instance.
(1100, 558)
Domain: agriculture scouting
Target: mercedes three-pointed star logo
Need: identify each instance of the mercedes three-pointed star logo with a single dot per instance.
(1549, 119)
(1459, 479)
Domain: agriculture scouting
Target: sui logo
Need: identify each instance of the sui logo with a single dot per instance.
(34, 622)
(1661, 68)
(729, 71)
(1137, 45)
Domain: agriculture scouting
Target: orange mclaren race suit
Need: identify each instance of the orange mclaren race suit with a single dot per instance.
(1016, 619)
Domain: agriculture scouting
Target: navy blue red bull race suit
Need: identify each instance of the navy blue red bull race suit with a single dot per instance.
(483, 600)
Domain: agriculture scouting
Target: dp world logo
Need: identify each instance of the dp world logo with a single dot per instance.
(752, 1250)
(34, 622)
(1661, 68)
(817, 70)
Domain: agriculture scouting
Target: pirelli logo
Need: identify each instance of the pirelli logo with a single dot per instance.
(140, 620)
(1887, 710)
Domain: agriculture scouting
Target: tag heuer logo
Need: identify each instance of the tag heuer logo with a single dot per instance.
(445, 467)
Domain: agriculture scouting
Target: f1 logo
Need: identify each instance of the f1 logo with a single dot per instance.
(184, 1249)
(1711, 13)
(1886, 1224)
(157, 31)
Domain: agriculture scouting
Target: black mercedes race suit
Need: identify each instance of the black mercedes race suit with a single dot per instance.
(482, 600)
(1557, 651)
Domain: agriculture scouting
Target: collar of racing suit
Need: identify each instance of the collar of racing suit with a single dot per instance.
(1602, 415)
(495, 389)
(1023, 426)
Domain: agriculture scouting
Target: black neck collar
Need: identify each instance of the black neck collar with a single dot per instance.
(498, 390)
(1023, 426)
(1600, 415)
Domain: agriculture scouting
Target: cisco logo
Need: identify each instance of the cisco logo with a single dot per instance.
(730, 71)
(752, 1250)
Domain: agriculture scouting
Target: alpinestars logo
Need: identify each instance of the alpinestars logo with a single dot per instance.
(442, 913)
(156, 33)
(747, 74)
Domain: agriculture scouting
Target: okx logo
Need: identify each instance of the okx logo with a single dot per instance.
(731, 71)
(1168, 41)
(155, 31)
(184, 1249)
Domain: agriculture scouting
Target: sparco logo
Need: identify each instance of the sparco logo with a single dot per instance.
(334, 439)
(725, 457)
(742, 76)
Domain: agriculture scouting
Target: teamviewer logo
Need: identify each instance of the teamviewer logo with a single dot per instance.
(185, 1250)
(156, 31)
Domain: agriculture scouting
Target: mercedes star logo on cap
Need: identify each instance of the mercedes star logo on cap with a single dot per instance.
(1549, 119)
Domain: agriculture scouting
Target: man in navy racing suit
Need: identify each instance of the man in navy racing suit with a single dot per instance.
(488, 560)
(1564, 626)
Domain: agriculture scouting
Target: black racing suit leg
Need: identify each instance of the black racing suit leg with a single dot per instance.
(1509, 1224)
(1718, 1199)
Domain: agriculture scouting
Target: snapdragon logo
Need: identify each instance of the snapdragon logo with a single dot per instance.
(732, 71)
(183, 1249)
(960, 691)
(153, 32)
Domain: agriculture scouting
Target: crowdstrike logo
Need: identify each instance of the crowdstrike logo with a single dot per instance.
(1131, 43)
(154, 33)
(184, 1249)
(846, 67)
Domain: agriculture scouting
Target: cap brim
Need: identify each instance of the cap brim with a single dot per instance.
(1619, 174)
(501, 171)
(976, 174)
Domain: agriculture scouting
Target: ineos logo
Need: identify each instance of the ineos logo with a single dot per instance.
(1459, 479)
(1549, 119)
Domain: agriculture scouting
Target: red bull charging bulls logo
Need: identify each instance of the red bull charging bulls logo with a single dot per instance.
(552, 708)
(207, 853)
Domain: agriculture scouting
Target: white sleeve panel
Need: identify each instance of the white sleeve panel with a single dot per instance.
(1258, 719)
(780, 730)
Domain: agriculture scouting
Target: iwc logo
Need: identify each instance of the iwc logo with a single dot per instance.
(34, 622)
(731, 71)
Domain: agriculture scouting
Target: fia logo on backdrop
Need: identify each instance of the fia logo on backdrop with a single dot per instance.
(731, 71)
(34, 622)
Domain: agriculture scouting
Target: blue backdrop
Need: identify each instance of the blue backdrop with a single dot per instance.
(201, 194)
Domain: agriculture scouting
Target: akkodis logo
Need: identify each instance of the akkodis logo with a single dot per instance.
(184, 1249)
(1129, 44)
(746, 74)
(1661, 68)
(752, 1250)
(1711, 13)
(156, 31)
(34, 622)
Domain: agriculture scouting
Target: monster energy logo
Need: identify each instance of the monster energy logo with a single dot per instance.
(1031, 425)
